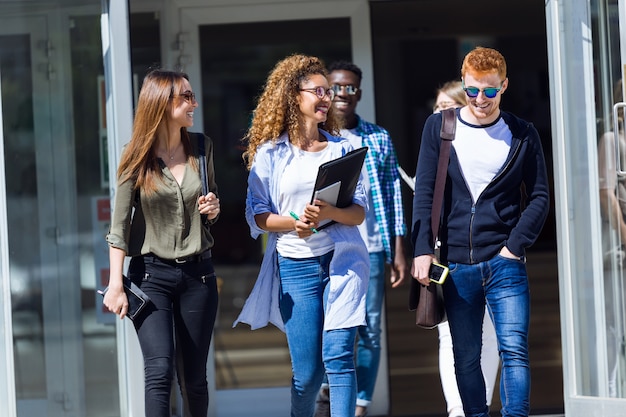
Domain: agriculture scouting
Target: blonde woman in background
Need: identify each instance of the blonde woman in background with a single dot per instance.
(451, 95)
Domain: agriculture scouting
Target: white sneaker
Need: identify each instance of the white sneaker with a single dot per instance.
(456, 412)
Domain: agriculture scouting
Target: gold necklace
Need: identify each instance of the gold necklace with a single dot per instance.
(173, 154)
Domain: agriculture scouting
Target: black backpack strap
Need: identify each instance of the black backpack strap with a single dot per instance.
(202, 169)
(202, 163)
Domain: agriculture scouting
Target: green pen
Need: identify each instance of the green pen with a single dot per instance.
(295, 216)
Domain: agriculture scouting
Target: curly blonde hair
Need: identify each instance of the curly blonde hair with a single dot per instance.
(278, 109)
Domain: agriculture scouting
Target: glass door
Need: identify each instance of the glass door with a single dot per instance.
(44, 297)
(587, 58)
(609, 56)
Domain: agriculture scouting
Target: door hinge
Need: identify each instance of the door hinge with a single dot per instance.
(46, 67)
(179, 45)
(64, 398)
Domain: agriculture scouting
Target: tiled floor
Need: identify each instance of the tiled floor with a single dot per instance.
(415, 386)
(261, 359)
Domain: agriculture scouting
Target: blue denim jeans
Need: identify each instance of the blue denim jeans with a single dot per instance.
(303, 288)
(368, 346)
(183, 309)
(502, 284)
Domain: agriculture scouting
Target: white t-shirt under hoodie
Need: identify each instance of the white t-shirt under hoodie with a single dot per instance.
(482, 151)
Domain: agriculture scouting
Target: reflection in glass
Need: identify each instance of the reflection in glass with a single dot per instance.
(23, 224)
(100, 370)
(612, 187)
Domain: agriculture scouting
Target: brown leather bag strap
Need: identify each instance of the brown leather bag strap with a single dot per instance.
(448, 128)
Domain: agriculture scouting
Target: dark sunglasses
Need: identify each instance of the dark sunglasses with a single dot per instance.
(321, 92)
(350, 89)
(188, 96)
(473, 92)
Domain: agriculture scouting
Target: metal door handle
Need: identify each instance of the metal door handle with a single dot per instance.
(616, 130)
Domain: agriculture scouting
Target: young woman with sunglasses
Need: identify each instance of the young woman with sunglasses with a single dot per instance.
(311, 285)
(161, 219)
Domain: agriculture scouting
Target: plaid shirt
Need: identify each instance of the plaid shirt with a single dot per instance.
(382, 169)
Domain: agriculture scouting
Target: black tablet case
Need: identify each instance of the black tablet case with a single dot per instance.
(346, 169)
(137, 299)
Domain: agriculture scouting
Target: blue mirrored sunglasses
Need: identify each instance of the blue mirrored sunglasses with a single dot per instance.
(489, 92)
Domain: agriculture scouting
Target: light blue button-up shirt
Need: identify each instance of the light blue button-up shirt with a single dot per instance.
(349, 267)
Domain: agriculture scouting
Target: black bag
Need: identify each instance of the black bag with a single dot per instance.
(427, 301)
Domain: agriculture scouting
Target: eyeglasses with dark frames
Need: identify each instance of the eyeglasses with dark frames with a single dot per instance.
(350, 89)
(188, 96)
(489, 92)
(321, 92)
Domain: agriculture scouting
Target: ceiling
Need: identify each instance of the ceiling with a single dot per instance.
(414, 18)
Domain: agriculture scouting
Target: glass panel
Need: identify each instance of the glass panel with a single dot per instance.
(23, 220)
(234, 68)
(91, 182)
(145, 46)
(606, 47)
(57, 202)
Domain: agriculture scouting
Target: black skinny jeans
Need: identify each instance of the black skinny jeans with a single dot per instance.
(175, 328)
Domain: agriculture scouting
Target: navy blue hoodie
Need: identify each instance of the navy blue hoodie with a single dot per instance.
(505, 214)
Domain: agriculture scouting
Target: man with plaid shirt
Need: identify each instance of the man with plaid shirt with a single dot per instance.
(383, 229)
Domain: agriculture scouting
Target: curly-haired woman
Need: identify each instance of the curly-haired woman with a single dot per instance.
(311, 285)
(161, 220)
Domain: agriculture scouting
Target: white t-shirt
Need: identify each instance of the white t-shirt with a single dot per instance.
(482, 151)
(296, 189)
(369, 229)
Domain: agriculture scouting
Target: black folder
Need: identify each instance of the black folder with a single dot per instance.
(344, 170)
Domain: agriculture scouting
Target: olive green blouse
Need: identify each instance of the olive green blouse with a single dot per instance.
(166, 223)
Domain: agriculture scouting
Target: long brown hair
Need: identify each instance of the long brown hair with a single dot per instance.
(277, 109)
(139, 161)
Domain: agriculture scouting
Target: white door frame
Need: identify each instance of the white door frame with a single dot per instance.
(119, 111)
(572, 99)
(7, 372)
(356, 10)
